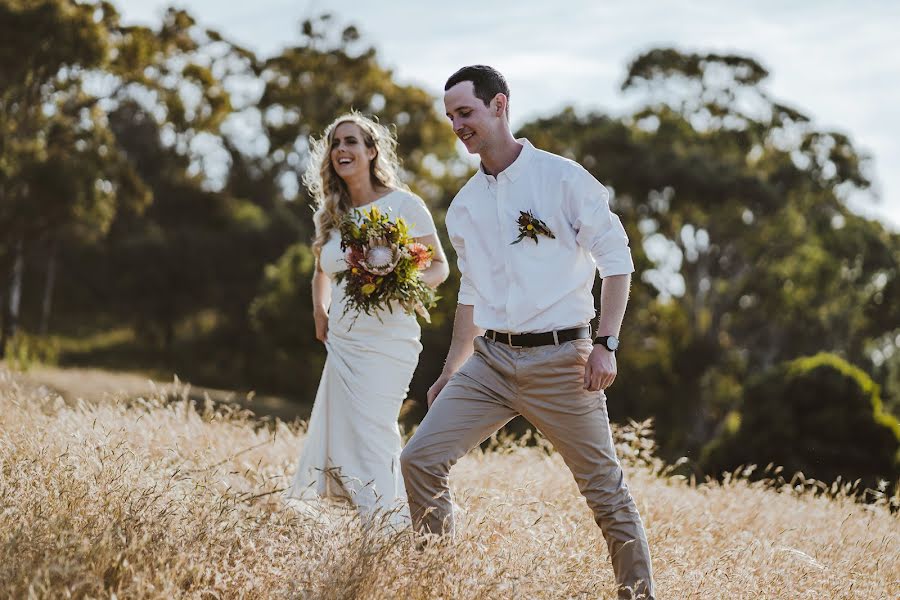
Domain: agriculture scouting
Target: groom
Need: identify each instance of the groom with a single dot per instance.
(529, 228)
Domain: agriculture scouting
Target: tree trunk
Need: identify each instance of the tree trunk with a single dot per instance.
(49, 284)
(11, 318)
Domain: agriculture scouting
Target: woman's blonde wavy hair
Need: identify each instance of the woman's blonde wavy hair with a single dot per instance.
(331, 198)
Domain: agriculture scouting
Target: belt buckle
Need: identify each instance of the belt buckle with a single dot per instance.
(509, 341)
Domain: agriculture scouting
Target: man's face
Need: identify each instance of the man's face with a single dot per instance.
(473, 122)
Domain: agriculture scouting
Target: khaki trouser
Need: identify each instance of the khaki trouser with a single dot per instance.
(544, 385)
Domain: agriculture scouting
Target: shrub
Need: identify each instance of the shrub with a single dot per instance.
(288, 357)
(817, 415)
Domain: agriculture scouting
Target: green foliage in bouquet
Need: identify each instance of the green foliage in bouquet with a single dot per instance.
(383, 265)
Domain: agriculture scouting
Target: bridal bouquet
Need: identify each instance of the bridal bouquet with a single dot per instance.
(383, 265)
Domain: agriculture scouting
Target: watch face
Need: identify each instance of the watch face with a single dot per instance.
(612, 342)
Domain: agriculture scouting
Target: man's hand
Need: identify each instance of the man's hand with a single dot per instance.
(436, 388)
(461, 348)
(600, 370)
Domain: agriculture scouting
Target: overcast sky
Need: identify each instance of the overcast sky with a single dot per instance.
(837, 61)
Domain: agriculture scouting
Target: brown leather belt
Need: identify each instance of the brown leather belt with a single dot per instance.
(530, 340)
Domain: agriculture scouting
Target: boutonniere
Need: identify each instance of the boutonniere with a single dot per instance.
(531, 227)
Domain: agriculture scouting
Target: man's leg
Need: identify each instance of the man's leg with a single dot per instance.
(468, 410)
(575, 421)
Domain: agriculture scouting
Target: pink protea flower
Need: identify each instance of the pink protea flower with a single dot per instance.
(380, 259)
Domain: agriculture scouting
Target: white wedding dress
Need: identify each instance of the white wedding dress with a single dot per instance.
(352, 447)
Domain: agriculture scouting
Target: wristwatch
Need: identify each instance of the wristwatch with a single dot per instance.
(610, 342)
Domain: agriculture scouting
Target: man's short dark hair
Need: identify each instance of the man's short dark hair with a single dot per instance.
(487, 81)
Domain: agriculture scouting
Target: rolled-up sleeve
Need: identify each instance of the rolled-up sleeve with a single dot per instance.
(598, 229)
(466, 289)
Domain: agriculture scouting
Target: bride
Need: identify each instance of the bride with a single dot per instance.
(352, 446)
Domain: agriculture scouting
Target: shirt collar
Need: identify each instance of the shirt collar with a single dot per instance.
(518, 166)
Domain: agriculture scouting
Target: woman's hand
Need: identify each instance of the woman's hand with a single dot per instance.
(321, 298)
(435, 275)
(321, 319)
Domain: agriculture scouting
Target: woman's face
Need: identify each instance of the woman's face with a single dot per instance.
(349, 155)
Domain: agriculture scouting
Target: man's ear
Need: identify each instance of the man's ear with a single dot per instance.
(499, 107)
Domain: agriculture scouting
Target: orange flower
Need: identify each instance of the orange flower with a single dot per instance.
(421, 254)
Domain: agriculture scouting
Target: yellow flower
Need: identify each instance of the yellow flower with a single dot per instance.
(355, 271)
(368, 288)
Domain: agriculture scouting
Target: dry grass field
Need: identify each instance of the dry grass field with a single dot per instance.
(109, 497)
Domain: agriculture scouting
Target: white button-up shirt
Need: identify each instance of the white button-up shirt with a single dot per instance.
(534, 287)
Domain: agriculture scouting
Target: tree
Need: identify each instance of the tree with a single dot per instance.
(30, 71)
(330, 73)
(746, 252)
(62, 173)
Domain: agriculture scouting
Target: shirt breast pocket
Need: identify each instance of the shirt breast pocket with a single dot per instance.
(543, 245)
(542, 262)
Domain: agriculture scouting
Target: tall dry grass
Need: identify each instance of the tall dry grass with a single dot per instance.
(157, 499)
